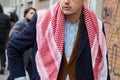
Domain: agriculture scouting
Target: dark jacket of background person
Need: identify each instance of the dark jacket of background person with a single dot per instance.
(18, 27)
(4, 29)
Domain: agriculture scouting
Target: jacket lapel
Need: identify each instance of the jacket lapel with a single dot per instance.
(83, 38)
(80, 42)
(75, 48)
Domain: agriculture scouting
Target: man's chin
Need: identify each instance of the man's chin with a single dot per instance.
(67, 13)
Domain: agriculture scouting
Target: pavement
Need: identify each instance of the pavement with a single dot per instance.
(5, 75)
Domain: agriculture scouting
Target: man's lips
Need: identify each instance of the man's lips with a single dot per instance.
(66, 8)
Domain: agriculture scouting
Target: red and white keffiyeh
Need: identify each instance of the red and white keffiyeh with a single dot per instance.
(50, 39)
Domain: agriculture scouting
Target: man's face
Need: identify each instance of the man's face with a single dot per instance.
(70, 7)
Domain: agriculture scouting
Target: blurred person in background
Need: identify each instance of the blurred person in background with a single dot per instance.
(4, 30)
(18, 27)
(13, 18)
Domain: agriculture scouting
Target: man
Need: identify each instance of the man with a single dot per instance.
(4, 29)
(68, 41)
(18, 27)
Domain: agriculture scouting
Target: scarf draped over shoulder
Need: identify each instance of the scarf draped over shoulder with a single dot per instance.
(50, 41)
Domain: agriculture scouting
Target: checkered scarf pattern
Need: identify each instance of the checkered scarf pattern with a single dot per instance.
(50, 39)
